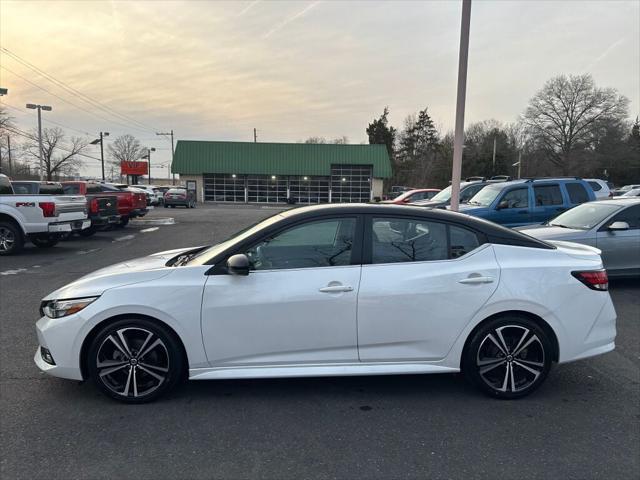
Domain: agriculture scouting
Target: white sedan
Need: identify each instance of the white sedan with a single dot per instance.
(335, 290)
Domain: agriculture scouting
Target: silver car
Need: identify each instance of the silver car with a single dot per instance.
(613, 226)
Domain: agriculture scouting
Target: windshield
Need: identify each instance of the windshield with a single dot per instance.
(203, 256)
(442, 196)
(585, 216)
(486, 196)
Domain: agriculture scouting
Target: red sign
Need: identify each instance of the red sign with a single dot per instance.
(134, 168)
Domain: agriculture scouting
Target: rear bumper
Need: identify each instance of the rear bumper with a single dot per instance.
(176, 201)
(138, 212)
(101, 221)
(74, 226)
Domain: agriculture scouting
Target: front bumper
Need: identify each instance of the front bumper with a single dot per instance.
(53, 334)
(74, 226)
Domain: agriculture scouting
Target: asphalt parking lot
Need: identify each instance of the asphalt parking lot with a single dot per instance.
(583, 423)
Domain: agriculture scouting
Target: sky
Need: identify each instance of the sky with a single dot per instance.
(295, 69)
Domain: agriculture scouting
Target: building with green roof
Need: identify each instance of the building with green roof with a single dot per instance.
(248, 172)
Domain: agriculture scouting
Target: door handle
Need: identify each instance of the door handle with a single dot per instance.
(476, 280)
(336, 289)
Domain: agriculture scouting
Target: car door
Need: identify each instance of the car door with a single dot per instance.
(512, 208)
(621, 248)
(548, 202)
(296, 306)
(421, 283)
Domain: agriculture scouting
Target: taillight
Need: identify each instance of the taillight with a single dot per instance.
(48, 209)
(93, 206)
(594, 279)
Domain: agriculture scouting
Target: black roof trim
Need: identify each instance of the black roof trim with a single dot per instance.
(494, 233)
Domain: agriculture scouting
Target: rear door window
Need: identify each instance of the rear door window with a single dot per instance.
(93, 189)
(516, 198)
(577, 193)
(595, 186)
(547, 195)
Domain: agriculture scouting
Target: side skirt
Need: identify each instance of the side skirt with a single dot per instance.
(331, 370)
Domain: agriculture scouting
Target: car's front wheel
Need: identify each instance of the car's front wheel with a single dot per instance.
(508, 357)
(135, 361)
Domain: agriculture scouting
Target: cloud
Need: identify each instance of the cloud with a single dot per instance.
(290, 19)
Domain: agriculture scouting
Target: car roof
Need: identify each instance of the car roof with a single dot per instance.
(495, 233)
(619, 201)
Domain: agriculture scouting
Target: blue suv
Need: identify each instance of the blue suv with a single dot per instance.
(526, 202)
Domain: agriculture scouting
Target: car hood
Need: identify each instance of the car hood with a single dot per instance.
(137, 270)
(549, 232)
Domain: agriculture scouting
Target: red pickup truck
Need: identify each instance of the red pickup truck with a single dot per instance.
(130, 204)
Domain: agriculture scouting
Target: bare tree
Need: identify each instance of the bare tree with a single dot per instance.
(570, 114)
(125, 148)
(58, 157)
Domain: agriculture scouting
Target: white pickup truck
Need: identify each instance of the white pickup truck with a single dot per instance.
(41, 219)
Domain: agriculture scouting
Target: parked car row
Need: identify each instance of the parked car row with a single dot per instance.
(45, 212)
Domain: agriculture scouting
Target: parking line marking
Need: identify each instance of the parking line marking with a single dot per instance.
(152, 229)
(122, 239)
(13, 272)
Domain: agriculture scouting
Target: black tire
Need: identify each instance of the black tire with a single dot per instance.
(166, 206)
(172, 206)
(87, 232)
(164, 360)
(11, 239)
(508, 357)
(124, 221)
(45, 241)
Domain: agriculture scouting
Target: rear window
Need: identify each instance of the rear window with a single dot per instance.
(71, 189)
(26, 188)
(577, 193)
(176, 190)
(547, 195)
(596, 186)
(92, 188)
(51, 189)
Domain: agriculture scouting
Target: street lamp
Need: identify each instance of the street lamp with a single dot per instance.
(100, 141)
(148, 157)
(46, 108)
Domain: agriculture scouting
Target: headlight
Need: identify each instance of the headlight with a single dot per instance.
(62, 308)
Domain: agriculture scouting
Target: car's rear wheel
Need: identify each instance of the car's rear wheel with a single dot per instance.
(124, 221)
(508, 357)
(11, 240)
(45, 241)
(87, 232)
(135, 361)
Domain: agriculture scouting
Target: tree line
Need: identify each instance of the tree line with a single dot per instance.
(570, 127)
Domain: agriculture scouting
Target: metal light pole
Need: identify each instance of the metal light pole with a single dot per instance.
(172, 150)
(101, 141)
(148, 157)
(462, 90)
(46, 108)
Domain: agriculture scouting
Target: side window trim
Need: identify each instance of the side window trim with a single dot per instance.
(219, 267)
(367, 239)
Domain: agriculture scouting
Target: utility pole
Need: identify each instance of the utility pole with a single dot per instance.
(461, 95)
(172, 151)
(46, 108)
(493, 170)
(9, 152)
(148, 157)
(255, 136)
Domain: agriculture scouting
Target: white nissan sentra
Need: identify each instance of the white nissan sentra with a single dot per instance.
(335, 290)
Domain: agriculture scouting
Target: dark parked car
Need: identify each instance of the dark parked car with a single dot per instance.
(179, 196)
(102, 206)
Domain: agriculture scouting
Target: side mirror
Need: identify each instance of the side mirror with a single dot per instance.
(238, 265)
(503, 204)
(618, 226)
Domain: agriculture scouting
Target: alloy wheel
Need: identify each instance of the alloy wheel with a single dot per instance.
(132, 362)
(510, 358)
(7, 239)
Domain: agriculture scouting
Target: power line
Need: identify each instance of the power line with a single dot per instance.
(70, 102)
(75, 92)
(22, 133)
